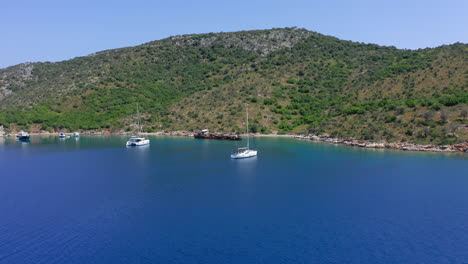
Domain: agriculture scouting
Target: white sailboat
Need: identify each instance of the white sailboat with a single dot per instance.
(245, 152)
(137, 140)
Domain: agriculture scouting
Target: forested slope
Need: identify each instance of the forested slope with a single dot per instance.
(294, 80)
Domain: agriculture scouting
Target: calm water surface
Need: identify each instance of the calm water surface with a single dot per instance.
(182, 200)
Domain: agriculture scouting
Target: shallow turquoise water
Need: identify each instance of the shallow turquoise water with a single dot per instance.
(183, 200)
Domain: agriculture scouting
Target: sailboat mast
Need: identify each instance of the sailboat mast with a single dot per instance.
(247, 127)
(138, 120)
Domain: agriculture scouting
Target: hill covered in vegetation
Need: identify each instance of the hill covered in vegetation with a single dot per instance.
(294, 80)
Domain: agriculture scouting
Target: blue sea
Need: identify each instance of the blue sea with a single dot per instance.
(183, 200)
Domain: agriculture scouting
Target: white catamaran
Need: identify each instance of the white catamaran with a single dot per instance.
(245, 152)
(136, 140)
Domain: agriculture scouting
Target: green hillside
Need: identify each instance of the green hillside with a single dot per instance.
(294, 80)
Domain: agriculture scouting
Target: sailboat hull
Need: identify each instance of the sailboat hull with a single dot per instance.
(244, 155)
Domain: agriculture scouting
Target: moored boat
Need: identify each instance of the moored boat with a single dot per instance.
(242, 153)
(245, 152)
(22, 135)
(135, 141)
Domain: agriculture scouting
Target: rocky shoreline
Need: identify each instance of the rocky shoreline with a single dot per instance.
(405, 146)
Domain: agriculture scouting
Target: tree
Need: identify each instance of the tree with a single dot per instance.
(453, 128)
(428, 115)
(426, 131)
(464, 113)
(444, 115)
(253, 128)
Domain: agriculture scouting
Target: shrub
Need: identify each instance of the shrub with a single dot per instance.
(269, 101)
(428, 115)
(435, 107)
(444, 116)
(410, 103)
(390, 118)
(448, 100)
(464, 113)
(354, 110)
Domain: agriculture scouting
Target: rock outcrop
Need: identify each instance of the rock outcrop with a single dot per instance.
(461, 147)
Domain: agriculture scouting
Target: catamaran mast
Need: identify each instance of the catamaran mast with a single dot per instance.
(138, 120)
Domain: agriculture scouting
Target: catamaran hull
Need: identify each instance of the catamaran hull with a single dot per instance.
(137, 144)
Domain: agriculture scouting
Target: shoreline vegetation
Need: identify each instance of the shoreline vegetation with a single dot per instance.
(295, 81)
(348, 141)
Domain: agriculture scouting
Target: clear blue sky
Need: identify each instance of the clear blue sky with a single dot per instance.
(51, 30)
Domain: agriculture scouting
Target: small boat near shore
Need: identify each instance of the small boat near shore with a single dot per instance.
(22, 135)
(76, 134)
(62, 135)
